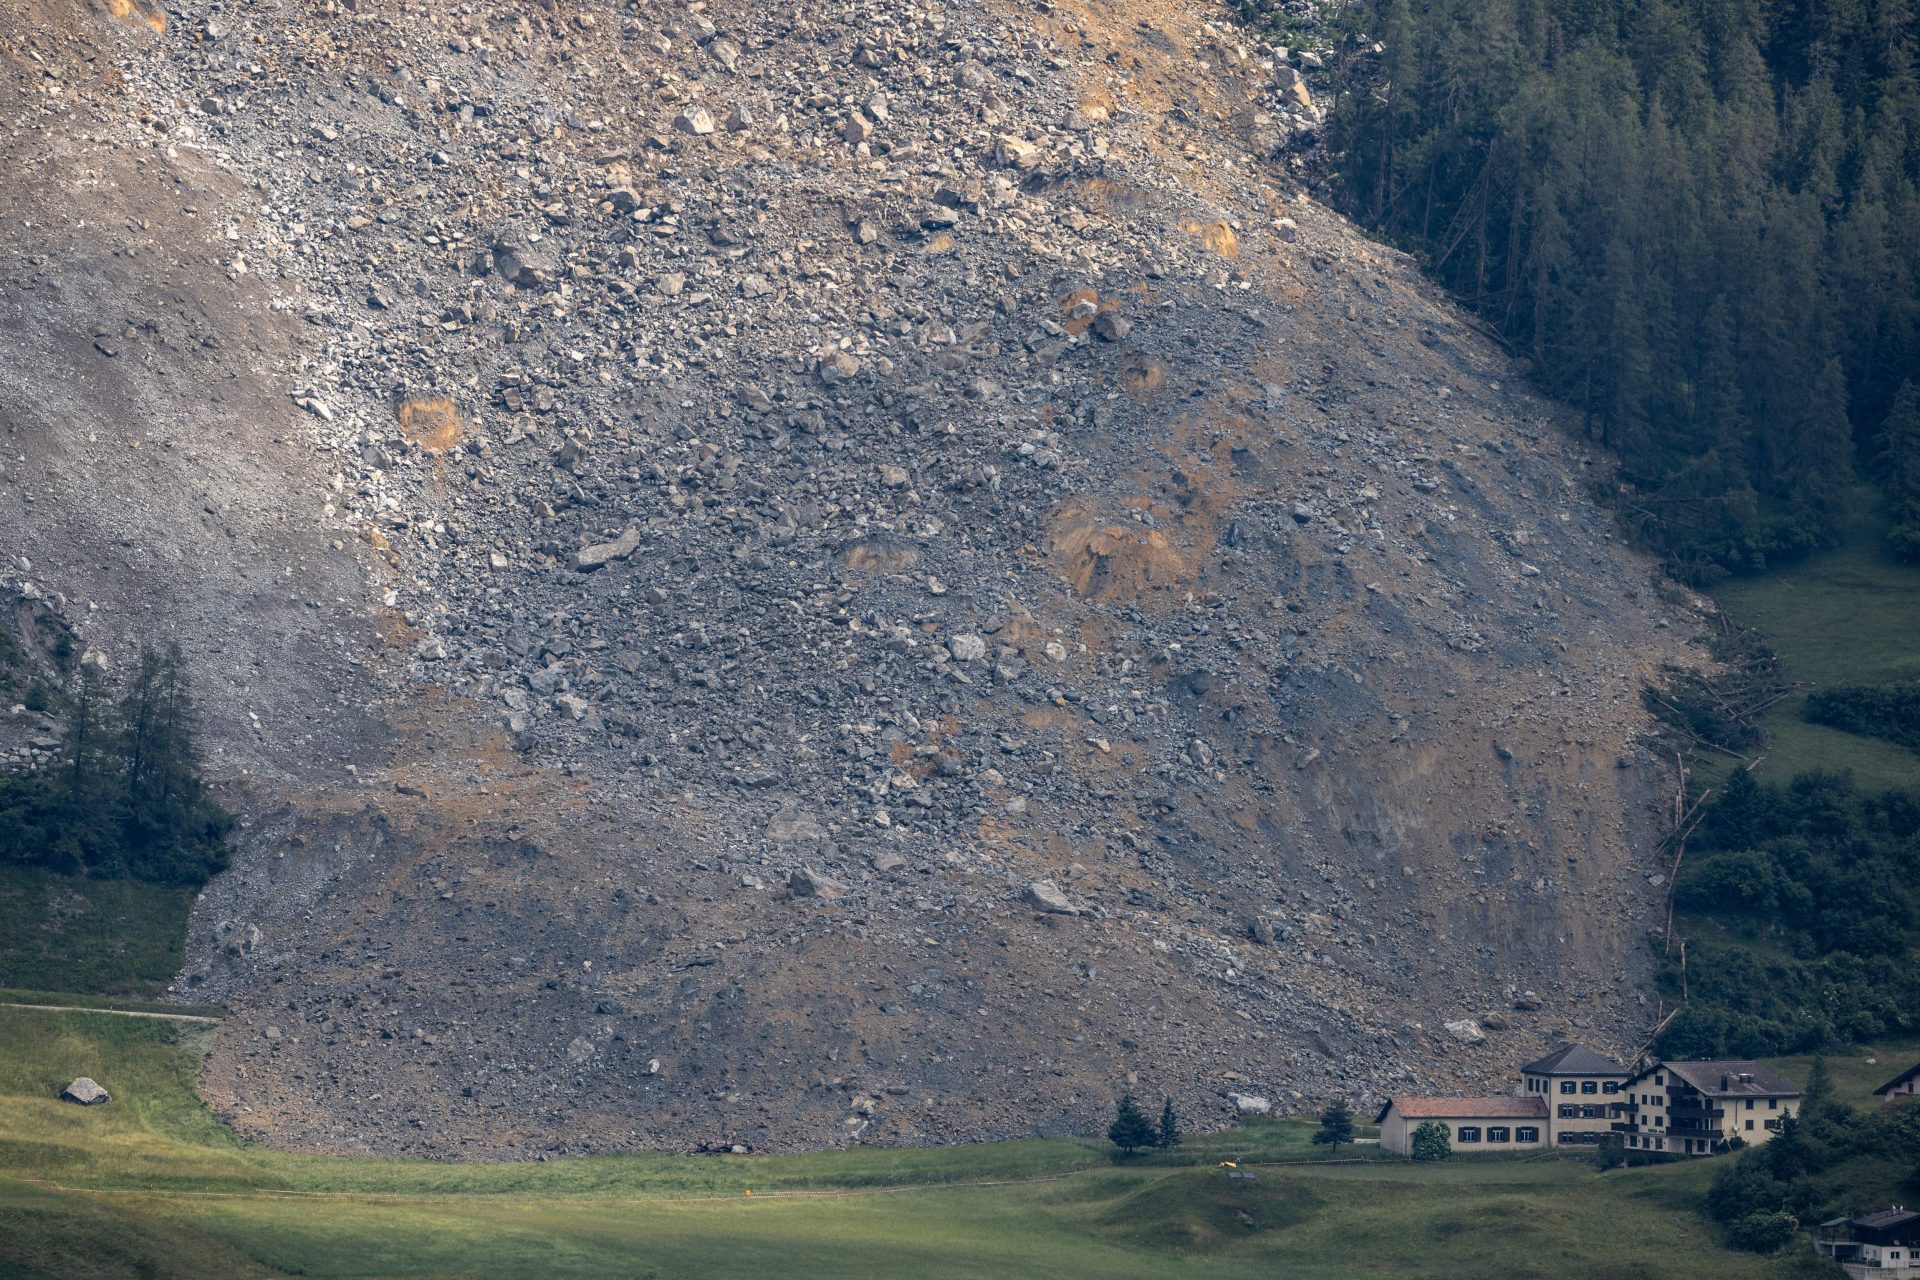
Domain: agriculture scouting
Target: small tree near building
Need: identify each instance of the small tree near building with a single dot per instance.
(1130, 1129)
(1430, 1141)
(1336, 1127)
(1169, 1126)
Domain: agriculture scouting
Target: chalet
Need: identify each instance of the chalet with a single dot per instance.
(1472, 1124)
(1698, 1108)
(1579, 1087)
(1879, 1244)
(1904, 1085)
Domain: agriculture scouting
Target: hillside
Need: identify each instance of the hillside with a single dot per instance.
(874, 574)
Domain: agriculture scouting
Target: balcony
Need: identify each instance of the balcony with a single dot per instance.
(1711, 1132)
(1694, 1113)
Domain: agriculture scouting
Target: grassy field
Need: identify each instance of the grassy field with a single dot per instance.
(113, 937)
(1847, 616)
(152, 1185)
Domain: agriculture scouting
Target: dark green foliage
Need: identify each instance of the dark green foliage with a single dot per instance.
(1900, 472)
(126, 797)
(1699, 222)
(1610, 1152)
(1816, 889)
(1169, 1126)
(1827, 1161)
(1336, 1127)
(1889, 711)
(1430, 1141)
(1130, 1129)
(1762, 1232)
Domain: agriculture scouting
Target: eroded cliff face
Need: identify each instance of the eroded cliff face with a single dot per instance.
(874, 574)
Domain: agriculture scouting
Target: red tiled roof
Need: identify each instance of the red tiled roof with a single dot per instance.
(1471, 1108)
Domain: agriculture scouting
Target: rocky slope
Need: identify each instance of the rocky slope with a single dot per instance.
(875, 573)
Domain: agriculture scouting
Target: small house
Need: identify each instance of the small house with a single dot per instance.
(1472, 1124)
(1877, 1244)
(1904, 1085)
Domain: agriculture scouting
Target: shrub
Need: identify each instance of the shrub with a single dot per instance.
(1762, 1232)
(1430, 1141)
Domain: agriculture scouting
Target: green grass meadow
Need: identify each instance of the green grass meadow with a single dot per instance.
(1842, 617)
(110, 937)
(152, 1185)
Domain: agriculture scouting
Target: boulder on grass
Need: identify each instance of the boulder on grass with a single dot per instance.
(86, 1091)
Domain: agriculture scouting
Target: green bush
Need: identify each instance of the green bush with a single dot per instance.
(1762, 1232)
(1814, 885)
(1889, 711)
(1430, 1141)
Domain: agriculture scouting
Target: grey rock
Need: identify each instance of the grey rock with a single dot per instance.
(592, 557)
(85, 1091)
(1045, 895)
(695, 121)
(808, 883)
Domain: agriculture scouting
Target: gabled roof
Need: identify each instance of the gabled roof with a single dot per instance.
(1900, 1079)
(1574, 1060)
(1886, 1219)
(1414, 1108)
(1722, 1079)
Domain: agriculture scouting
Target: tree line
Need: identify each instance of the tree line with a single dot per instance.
(124, 796)
(1699, 220)
(1816, 887)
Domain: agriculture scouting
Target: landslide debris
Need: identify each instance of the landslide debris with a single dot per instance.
(876, 572)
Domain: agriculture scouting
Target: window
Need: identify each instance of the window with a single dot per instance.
(1569, 1112)
(1468, 1133)
(1588, 1086)
(1749, 1104)
(1590, 1113)
(1499, 1133)
(1611, 1086)
(1569, 1086)
(1661, 1078)
(1773, 1104)
(1526, 1133)
(1749, 1126)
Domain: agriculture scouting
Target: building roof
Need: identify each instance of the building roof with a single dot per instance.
(1886, 1219)
(1466, 1108)
(1574, 1060)
(1725, 1079)
(1900, 1079)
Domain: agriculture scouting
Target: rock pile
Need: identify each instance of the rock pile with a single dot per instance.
(925, 583)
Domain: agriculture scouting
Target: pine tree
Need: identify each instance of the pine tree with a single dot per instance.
(1130, 1129)
(1336, 1127)
(1169, 1126)
(1900, 471)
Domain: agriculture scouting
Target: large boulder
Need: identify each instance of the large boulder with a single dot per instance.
(1045, 895)
(592, 557)
(86, 1091)
(805, 882)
